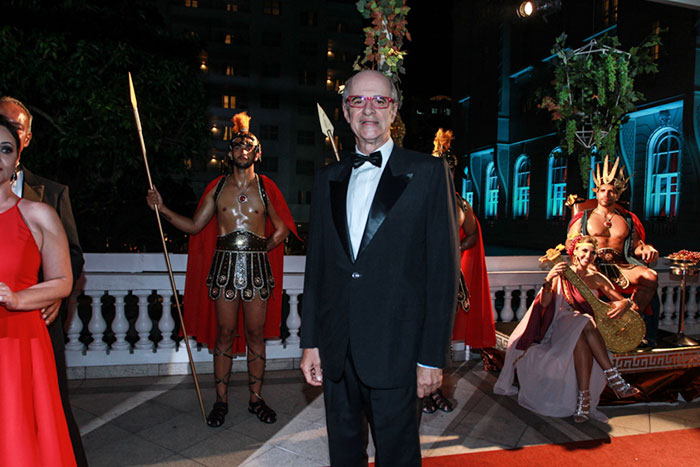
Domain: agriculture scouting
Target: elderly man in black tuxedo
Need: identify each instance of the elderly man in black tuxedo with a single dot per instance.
(380, 285)
(35, 188)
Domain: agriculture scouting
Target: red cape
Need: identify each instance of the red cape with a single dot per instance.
(199, 312)
(476, 328)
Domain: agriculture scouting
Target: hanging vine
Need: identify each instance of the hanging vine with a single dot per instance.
(593, 93)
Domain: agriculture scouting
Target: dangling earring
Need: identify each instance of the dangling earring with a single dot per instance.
(13, 177)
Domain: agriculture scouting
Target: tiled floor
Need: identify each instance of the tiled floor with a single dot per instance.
(156, 421)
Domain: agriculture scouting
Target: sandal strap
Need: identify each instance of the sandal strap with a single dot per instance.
(262, 411)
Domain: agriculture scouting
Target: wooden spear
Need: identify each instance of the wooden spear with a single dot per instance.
(134, 106)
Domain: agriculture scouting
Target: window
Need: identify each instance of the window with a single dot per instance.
(238, 6)
(270, 101)
(307, 78)
(267, 164)
(271, 7)
(304, 197)
(656, 27)
(228, 38)
(467, 187)
(491, 211)
(521, 188)
(271, 70)
(230, 71)
(306, 109)
(305, 137)
(307, 49)
(270, 132)
(308, 18)
(272, 39)
(229, 102)
(237, 68)
(609, 12)
(556, 185)
(304, 167)
(191, 3)
(663, 173)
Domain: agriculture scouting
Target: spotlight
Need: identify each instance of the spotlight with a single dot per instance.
(526, 9)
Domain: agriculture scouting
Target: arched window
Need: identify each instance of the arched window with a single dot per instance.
(467, 187)
(556, 186)
(491, 211)
(663, 173)
(521, 188)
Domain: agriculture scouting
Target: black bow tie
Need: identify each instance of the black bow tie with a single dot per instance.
(375, 158)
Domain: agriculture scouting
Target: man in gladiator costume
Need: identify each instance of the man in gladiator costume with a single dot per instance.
(623, 254)
(240, 218)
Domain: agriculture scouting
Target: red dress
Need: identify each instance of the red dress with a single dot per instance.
(33, 430)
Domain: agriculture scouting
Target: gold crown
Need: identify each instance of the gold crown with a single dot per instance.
(610, 175)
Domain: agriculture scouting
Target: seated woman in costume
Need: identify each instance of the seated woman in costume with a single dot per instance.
(559, 354)
(33, 428)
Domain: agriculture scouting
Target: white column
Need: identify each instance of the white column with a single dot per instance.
(691, 306)
(522, 308)
(143, 322)
(120, 326)
(97, 324)
(493, 304)
(293, 320)
(166, 325)
(75, 325)
(507, 314)
(668, 306)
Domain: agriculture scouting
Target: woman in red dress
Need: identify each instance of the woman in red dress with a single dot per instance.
(33, 429)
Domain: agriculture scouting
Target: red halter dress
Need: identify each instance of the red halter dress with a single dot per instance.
(33, 429)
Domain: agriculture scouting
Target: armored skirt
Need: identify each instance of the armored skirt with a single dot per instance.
(240, 266)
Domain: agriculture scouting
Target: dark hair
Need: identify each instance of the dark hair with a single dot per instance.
(11, 128)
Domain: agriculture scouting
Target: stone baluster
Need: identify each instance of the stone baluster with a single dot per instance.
(507, 314)
(493, 304)
(75, 325)
(166, 325)
(293, 320)
(691, 305)
(668, 306)
(143, 322)
(522, 307)
(97, 324)
(120, 325)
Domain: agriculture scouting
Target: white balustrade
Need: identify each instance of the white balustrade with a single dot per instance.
(97, 325)
(166, 325)
(140, 275)
(669, 307)
(120, 326)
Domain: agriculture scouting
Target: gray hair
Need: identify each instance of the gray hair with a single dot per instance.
(12, 100)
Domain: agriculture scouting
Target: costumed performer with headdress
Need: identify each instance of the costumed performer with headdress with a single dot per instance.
(559, 354)
(473, 322)
(234, 267)
(623, 254)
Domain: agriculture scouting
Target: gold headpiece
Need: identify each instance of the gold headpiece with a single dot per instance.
(610, 176)
(441, 147)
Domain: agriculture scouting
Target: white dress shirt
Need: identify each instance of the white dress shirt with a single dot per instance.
(18, 184)
(361, 189)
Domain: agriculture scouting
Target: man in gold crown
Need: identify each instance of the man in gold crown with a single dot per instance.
(623, 255)
(239, 220)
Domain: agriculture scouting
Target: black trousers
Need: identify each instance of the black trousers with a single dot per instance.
(392, 414)
(59, 351)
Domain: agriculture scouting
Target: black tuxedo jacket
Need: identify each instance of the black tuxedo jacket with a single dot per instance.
(36, 188)
(391, 307)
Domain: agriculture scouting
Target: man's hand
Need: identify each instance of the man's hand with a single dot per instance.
(648, 253)
(429, 380)
(50, 313)
(311, 366)
(619, 307)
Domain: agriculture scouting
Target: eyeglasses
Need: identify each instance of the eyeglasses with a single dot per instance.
(377, 102)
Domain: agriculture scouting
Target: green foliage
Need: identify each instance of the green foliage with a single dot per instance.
(69, 66)
(594, 91)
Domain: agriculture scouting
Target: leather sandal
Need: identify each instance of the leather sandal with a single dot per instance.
(218, 414)
(264, 413)
(441, 402)
(429, 404)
